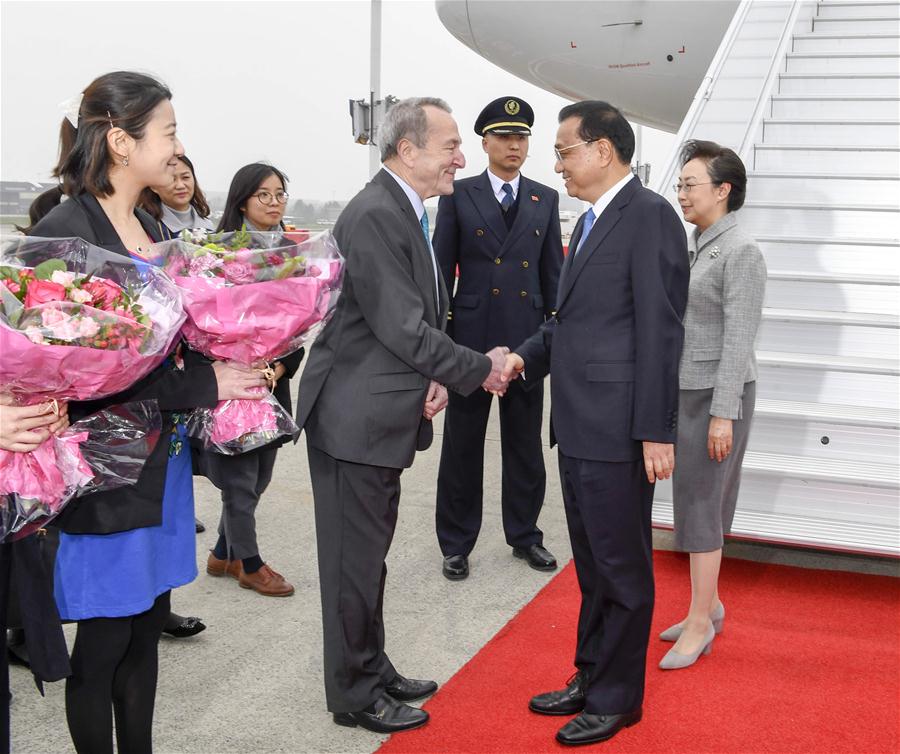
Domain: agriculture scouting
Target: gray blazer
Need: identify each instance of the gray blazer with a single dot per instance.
(363, 390)
(725, 299)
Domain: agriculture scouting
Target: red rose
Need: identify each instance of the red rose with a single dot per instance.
(43, 292)
(104, 292)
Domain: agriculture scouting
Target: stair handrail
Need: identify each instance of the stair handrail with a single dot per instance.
(701, 97)
(765, 92)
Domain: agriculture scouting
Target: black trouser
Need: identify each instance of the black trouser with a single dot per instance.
(460, 490)
(356, 513)
(114, 667)
(608, 509)
(5, 566)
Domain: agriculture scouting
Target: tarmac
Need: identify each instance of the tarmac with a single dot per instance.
(252, 682)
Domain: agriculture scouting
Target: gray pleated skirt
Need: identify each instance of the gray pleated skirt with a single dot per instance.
(705, 492)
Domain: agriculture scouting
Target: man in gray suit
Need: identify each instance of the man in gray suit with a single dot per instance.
(375, 378)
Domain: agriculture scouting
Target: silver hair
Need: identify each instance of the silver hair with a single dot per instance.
(407, 120)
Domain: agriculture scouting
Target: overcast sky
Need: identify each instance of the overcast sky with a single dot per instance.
(256, 81)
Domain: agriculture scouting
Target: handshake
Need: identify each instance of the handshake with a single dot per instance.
(505, 367)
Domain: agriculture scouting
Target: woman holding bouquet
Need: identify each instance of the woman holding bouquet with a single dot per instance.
(180, 203)
(121, 552)
(256, 201)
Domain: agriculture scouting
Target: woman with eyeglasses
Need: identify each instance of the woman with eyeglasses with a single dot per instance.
(256, 202)
(717, 382)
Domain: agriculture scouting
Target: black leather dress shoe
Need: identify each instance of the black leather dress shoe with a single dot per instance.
(568, 701)
(180, 627)
(456, 567)
(592, 729)
(387, 715)
(409, 689)
(538, 558)
(198, 526)
(16, 649)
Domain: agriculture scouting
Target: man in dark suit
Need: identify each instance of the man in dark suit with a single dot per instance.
(374, 379)
(501, 231)
(613, 349)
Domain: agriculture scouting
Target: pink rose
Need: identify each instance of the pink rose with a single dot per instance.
(87, 327)
(64, 278)
(43, 292)
(104, 292)
(11, 285)
(51, 317)
(239, 272)
(273, 259)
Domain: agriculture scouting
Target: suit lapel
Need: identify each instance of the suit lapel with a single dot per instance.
(525, 213)
(422, 265)
(602, 226)
(482, 195)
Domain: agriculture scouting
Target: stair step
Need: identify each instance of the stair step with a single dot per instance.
(838, 278)
(862, 220)
(827, 470)
(887, 24)
(819, 362)
(850, 11)
(821, 42)
(841, 158)
(862, 416)
(829, 188)
(827, 132)
(838, 83)
(877, 294)
(832, 255)
(842, 62)
(850, 319)
(823, 106)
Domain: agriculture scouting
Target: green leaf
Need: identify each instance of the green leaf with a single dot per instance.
(45, 270)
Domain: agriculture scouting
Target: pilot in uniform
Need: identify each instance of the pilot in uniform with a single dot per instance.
(500, 231)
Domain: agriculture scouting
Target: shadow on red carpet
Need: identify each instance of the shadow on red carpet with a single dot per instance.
(809, 661)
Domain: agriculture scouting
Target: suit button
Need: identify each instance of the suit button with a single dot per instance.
(496, 291)
(537, 231)
(523, 294)
(479, 232)
(497, 260)
(525, 263)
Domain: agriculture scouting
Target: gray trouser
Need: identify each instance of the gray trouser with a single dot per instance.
(356, 512)
(242, 479)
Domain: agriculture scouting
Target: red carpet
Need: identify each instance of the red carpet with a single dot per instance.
(808, 662)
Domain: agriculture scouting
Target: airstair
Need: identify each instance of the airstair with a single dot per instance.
(808, 93)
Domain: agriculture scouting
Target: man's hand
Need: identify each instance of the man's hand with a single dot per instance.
(719, 439)
(493, 383)
(435, 400)
(659, 460)
(513, 367)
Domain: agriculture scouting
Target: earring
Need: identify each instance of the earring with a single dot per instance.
(125, 161)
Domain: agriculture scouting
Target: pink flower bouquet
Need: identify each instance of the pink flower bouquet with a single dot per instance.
(77, 322)
(251, 298)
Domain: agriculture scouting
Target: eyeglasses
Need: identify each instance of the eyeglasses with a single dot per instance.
(266, 197)
(686, 187)
(558, 152)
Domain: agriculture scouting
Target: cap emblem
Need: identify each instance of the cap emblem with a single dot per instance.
(511, 107)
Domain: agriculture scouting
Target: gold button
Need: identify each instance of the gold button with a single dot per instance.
(523, 294)
(479, 232)
(537, 231)
(525, 263)
(497, 260)
(496, 291)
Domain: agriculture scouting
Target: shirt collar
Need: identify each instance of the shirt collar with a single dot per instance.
(497, 184)
(604, 201)
(417, 204)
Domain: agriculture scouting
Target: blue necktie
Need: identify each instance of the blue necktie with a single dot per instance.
(424, 223)
(508, 199)
(586, 228)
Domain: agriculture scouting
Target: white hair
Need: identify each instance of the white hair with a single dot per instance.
(407, 120)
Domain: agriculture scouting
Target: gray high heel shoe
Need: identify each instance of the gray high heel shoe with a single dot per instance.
(676, 661)
(672, 633)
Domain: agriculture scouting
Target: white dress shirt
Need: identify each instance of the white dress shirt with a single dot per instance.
(497, 185)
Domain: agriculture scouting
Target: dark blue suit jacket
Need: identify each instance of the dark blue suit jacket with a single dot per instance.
(615, 343)
(507, 278)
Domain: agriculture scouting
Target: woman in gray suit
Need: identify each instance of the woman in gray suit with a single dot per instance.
(717, 382)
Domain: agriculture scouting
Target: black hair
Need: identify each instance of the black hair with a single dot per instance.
(150, 201)
(723, 166)
(41, 205)
(600, 120)
(121, 99)
(245, 183)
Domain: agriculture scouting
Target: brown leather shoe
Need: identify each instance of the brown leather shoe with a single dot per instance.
(267, 582)
(218, 567)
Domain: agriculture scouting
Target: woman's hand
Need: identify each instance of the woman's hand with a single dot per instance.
(279, 372)
(236, 381)
(24, 428)
(718, 442)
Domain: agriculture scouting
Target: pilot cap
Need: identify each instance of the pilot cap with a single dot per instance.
(505, 115)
